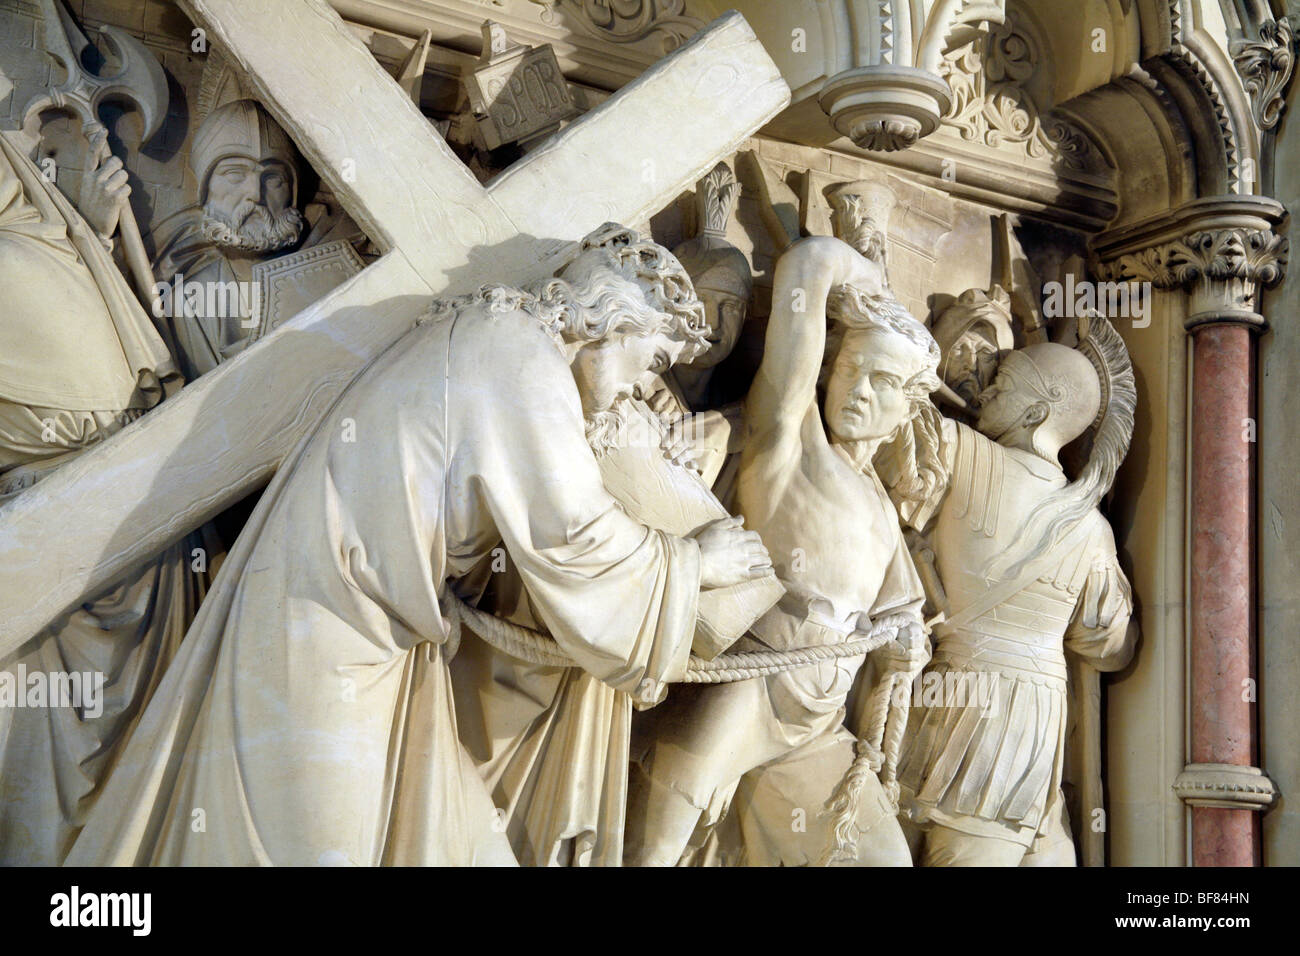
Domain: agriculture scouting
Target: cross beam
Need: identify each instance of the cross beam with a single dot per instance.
(442, 233)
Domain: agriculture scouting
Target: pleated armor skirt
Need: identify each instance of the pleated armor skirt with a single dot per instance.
(988, 766)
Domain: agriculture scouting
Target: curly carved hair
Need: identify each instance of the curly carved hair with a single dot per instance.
(656, 295)
(581, 304)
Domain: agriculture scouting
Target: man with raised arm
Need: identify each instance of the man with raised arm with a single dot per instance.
(818, 409)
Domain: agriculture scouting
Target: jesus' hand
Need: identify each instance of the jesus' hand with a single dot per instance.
(729, 554)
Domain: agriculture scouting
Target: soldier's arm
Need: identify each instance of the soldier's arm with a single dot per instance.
(1102, 630)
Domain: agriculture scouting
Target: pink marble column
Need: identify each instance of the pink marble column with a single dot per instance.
(1222, 583)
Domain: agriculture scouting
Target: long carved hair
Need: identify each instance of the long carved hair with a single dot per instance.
(585, 306)
(582, 304)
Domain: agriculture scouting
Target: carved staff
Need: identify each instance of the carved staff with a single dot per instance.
(140, 82)
(1017, 276)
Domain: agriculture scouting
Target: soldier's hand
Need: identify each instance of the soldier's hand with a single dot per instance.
(729, 554)
(104, 187)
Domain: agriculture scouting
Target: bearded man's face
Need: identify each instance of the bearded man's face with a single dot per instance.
(248, 206)
(971, 363)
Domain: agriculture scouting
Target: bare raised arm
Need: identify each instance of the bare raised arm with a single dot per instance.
(796, 332)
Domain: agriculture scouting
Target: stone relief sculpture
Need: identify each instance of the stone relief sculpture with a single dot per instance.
(349, 617)
(778, 745)
(247, 171)
(74, 369)
(687, 399)
(974, 333)
(1029, 571)
(860, 216)
(246, 238)
(473, 644)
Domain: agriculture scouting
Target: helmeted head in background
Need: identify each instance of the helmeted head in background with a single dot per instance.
(1046, 394)
(719, 271)
(974, 334)
(247, 172)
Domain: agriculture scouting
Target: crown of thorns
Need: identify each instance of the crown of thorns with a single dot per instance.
(645, 260)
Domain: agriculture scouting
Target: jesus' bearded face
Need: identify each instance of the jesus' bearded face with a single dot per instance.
(609, 370)
(248, 206)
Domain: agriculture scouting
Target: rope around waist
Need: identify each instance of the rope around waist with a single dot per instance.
(535, 647)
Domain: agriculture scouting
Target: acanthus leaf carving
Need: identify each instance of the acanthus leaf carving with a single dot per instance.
(1265, 67)
(1246, 258)
(990, 105)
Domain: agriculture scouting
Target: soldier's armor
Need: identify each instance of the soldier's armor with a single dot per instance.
(990, 767)
(1024, 635)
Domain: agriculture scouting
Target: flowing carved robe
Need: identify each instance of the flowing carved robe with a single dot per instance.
(78, 360)
(309, 716)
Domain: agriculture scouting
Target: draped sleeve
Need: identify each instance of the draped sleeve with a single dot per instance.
(619, 598)
(1098, 630)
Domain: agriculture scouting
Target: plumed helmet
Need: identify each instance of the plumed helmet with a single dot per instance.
(717, 266)
(244, 129)
(712, 262)
(1064, 379)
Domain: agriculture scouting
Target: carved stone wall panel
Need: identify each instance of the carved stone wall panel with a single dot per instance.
(1203, 108)
(992, 105)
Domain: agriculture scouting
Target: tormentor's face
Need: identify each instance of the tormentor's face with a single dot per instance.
(864, 395)
(970, 365)
(1002, 405)
(725, 314)
(609, 370)
(238, 186)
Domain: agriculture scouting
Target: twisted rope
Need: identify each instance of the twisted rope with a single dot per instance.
(541, 649)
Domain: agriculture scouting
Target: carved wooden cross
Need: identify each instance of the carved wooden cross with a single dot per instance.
(442, 233)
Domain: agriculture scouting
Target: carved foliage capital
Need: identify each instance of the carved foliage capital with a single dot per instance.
(1256, 256)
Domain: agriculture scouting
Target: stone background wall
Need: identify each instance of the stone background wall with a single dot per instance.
(928, 227)
(1279, 522)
